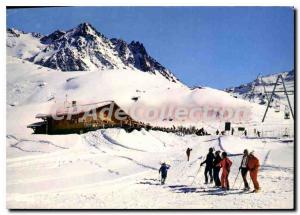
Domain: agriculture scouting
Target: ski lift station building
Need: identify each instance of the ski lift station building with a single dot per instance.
(83, 118)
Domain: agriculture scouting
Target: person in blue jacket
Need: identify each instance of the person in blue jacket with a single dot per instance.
(163, 170)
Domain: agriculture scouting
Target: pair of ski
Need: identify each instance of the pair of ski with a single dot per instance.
(220, 191)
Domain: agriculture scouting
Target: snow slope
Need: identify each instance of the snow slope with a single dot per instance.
(34, 89)
(22, 45)
(114, 169)
(107, 168)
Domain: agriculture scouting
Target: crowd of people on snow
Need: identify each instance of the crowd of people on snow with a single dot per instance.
(217, 161)
(232, 132)
(179, 130)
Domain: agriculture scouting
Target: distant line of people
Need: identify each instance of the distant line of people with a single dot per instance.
(232, 132)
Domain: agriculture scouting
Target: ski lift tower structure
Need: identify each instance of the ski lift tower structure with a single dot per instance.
(279, 77)
(251, 96)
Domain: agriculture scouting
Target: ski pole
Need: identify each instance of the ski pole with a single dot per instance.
(196, 175)
(236, 178)
(240, 185)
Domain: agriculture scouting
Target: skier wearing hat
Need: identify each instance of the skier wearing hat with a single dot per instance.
(163, 170)
(253, 166)
(208, 165)
(244, 170)
(225, 164)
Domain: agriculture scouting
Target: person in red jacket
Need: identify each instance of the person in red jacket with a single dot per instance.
(253, 166)
(225, 164)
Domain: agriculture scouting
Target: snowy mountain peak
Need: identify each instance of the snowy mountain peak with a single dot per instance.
(85, 26)
(85, 30)
(143, 61)
(52, 37)
(137, 46)
(83, 48)
(12, 32)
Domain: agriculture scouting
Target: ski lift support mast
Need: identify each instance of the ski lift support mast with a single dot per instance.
(279, 91)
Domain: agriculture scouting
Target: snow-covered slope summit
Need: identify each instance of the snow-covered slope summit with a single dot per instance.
(83, 48)
(33, 89)
(244, 91)
(22, 45)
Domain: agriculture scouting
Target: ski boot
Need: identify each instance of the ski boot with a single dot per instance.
(256, 190)
(246, 188)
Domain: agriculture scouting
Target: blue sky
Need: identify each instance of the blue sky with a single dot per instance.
(211, 46)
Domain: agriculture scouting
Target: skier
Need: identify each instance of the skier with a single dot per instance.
(225, 164)
(232, 131)
(164, 172)
(258, 134)
(217, 132)
(244, 170)
(209, 165)
(216, 169)
(245, 133)
(253, 165)
(188, 152)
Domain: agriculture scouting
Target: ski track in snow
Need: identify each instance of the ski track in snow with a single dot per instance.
(138, 163)
(18, 142)
(137, 184)
(112, 141)
(266, 158)
(224, 150)
(25, 150)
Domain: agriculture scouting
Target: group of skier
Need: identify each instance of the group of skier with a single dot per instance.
(250, 163)
(217, 161)
(213, 164)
